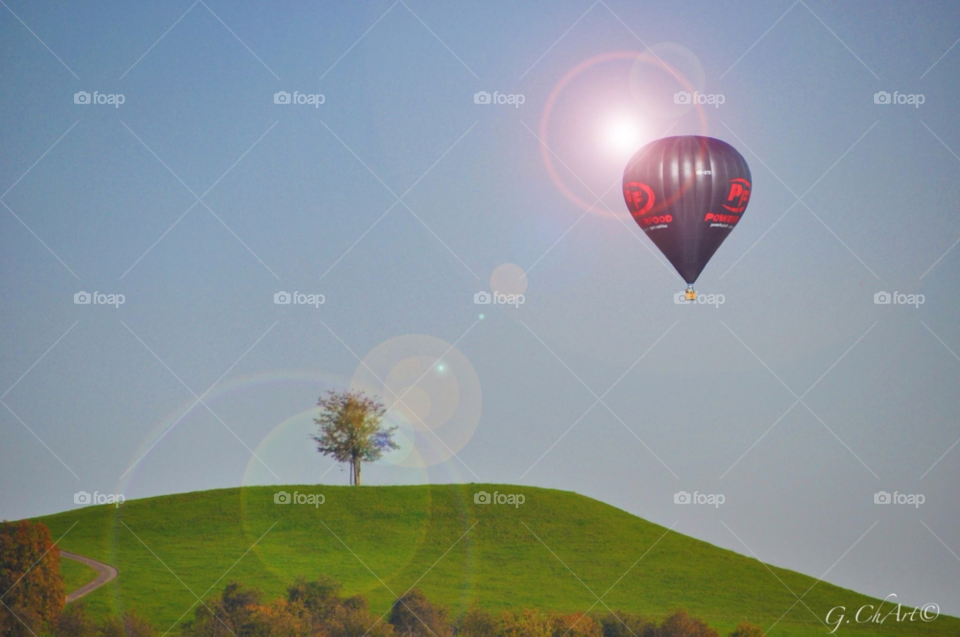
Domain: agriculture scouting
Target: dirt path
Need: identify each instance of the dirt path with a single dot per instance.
(105, 573)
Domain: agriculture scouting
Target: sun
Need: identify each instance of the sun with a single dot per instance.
(622, 135)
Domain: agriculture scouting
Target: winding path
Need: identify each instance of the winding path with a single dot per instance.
(105, 573)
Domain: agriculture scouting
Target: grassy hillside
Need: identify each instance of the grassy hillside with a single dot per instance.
(75, 574)
(200, 541)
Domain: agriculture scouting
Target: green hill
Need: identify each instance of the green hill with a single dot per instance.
(458, 552)
(75, 574)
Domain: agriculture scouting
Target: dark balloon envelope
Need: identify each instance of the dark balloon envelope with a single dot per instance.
(687, 193)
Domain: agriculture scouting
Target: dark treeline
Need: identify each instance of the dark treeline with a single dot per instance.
(319, 609)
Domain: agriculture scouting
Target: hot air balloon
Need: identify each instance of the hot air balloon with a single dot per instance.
(687, 193)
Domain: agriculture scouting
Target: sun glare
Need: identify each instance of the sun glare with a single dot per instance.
(622, 135)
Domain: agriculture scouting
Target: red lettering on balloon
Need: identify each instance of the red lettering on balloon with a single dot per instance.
(739, 195)
(639, 198)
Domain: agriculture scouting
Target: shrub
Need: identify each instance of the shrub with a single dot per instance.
(413, 615)
(231, 615)
(311, 603)
(575, 625)
(621, 624)
(280, 618)
(477, 623)
(529, 623)
(316, 596)
(352, 618)
(76, 622)
(682, 624)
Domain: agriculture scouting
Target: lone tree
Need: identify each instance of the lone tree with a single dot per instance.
(351, 429)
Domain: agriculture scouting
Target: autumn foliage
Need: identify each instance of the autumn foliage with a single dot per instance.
(30, 581)
(318, 609)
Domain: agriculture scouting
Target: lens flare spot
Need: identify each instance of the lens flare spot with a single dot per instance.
(508, 278)
(413, 403)
(431, 392)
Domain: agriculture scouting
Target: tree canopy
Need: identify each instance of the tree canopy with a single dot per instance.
(351, 429)
(30, 579)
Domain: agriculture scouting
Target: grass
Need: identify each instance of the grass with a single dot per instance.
(381, 539)
(75, 574)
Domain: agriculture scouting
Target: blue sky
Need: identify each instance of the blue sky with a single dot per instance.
(798, 398)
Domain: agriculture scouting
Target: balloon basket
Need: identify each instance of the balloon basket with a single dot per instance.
(691, 294)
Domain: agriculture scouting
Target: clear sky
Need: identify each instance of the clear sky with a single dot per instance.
(399, 198)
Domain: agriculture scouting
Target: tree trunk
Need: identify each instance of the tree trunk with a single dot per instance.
(356, 480)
